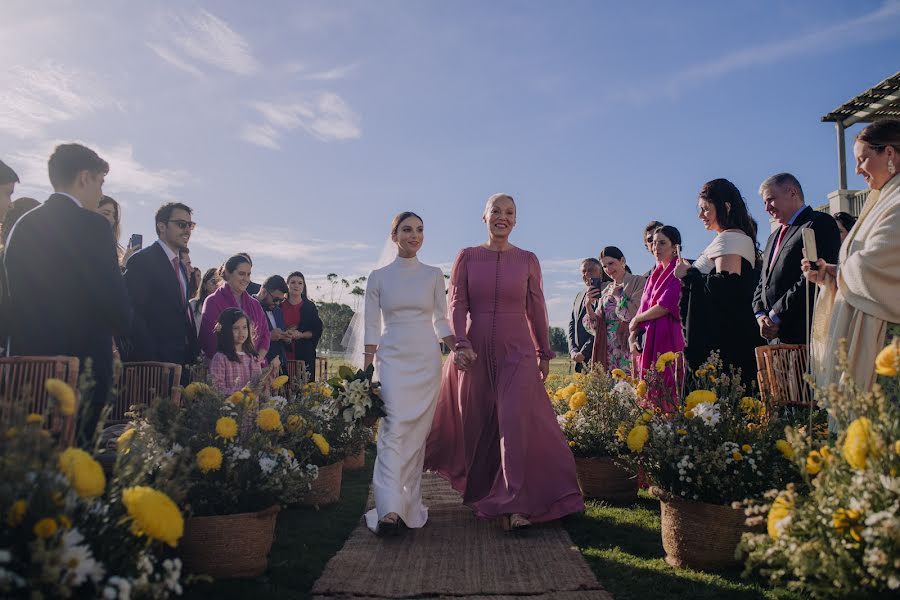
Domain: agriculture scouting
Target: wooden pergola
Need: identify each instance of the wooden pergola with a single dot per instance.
(881, 101)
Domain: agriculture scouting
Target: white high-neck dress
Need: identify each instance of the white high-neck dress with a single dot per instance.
(405, 316)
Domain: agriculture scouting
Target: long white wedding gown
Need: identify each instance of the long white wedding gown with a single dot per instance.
(408, 297)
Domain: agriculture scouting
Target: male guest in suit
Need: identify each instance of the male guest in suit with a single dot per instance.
(581, 342)
(779, 302)
(65, 287)
(271, 295)
(157, 282)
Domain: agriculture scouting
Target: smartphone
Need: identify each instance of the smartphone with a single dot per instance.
(136, 241)
(809, 247)
(597, 282)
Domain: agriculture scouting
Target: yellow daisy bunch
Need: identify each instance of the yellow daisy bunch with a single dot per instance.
(209, 459)
(778, 515)
(268, 419)
(785, 448)
(888, 360)
(697, 397)
(640, 389)
(195, 389)
(63, 393)
(226, 428)
(637, 437)
(618, 374)
(45, 528)
(321, 443)
(664, 359)
(153, 514)
(848, 521)
(123, 442)
(577, 400)
(83, 472)
(859, 443)
(279, 382)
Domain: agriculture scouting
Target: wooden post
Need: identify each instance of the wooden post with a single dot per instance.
(842, 155)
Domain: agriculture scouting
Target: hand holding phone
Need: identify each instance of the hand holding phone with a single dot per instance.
(136, 241)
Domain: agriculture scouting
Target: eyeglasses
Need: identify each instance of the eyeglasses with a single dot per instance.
(277, 301)
(183, 224)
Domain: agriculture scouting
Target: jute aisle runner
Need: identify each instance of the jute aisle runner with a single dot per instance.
(458, 556)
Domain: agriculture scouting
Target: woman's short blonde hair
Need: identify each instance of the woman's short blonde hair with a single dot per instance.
(490, 202)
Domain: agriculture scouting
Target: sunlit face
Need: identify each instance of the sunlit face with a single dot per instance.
(782, 202)
(241, 331)
(873, 165)
(589, 270)
(109, 212)
(296, 285)
(176, 232)
(663, 248)
(706, 212)
(239, 279)
(500, 217)
(614, 267)
(409, 236)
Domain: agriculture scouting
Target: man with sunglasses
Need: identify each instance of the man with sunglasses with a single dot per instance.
(158, 283)
(271, 294)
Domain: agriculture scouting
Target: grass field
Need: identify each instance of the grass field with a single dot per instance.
(559, 365)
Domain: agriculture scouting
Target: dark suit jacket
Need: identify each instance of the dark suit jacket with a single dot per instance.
(66, 291)
(579, 338)
(163, 328)
(276, 348)
(305, 350)
(781, 286)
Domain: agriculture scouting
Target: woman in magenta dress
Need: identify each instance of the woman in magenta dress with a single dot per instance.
(659, 316)
(495, 436)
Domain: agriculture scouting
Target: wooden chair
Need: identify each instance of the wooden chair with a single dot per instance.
(27, 375)
(140, 382)
(780, 371)
(295, 370)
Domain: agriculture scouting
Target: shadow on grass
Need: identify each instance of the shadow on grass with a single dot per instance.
(305, 540)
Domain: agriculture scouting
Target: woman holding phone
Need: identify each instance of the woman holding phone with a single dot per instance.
(111, 210)
(656, 329)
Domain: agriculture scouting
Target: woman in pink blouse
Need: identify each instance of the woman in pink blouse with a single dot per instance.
(236, 274)
(495, 436)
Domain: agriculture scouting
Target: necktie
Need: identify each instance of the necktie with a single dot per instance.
(177, 267)
(784, 229)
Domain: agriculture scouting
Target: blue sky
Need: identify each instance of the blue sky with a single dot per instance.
(297, 129)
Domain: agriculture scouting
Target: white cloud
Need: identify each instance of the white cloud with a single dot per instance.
(126, 174)
(562, 265)
(279, 243)
(205, 38)
(331, 74)
(326, 116)
(37, 96)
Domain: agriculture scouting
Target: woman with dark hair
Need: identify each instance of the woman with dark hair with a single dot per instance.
(857, 299)
(236, 273)
(717, 289)
(617, 305)
(111, 210)
(845, 222)
(208, 284)
(302, 322)
(656, 329)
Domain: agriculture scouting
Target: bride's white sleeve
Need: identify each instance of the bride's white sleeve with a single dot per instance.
(372, 335)
(441, 324)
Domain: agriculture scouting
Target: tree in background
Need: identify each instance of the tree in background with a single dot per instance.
(558, 342)
(335, 320)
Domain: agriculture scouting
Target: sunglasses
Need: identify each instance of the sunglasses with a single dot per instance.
(183, 224)
(277, 301)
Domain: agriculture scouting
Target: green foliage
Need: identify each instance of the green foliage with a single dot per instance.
(335, 320)
(558, 341)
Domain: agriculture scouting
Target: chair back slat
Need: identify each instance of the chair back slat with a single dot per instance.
(24, 378)
(295, 369)
(140, 382)
(780, 373)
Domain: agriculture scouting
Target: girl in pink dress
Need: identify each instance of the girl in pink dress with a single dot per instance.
(495, 437)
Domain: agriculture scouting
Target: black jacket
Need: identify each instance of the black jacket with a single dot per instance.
(163, 328)
(579, 339)
(305, 350)
(781, 284)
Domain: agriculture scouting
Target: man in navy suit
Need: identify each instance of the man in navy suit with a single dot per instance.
(66, 292)
(271, 294)
(780, 299)
(157, 282)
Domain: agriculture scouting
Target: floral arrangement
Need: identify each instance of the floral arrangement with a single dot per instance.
(358, 397)
(838, 534)
(594, 410)
(717, 445)
(70, 532)
(315, 420)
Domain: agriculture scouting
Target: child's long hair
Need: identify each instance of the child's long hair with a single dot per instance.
(225, 335)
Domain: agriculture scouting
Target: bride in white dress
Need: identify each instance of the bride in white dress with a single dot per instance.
(405, 315)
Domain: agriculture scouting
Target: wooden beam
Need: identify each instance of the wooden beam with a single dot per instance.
(842, 156)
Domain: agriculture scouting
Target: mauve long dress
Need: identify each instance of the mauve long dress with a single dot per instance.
(495, 437)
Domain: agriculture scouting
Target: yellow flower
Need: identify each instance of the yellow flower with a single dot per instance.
(63, 393)
(580, 377)
(779, 514)
(663, 360)
(621, 432)
(34, 419)
(16, 513)
(700, 373)
(226, 428)
(847, 520)
(813, 462)
(195, 390)
(567, 391)
(236, 398)
(637, 437)
(321, 443)
(681, 431)
(209, 459)
(646, 417)
(859, 443)
(251, 397)
(570, 414)
(737, 456)
(327, 391)
(571, 444)
(697, 397)
(640, 389)
(785, 448)
(886, 361)
(268, 419)
(45, 528)
(618, 374)
(153, 514)
(279, 382)
(124, 441)
(897, 446)
(83, 472)
(64, 521)
(295, 422)
(747, 448)
(825, 451)
(577, 400)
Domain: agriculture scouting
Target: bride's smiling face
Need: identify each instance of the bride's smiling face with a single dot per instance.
(409, 236)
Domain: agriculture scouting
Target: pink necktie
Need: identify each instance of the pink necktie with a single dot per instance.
(784, 228)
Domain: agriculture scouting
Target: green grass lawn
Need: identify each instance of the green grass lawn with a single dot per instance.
(623, 547)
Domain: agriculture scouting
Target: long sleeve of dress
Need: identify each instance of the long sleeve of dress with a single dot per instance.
(207, 336)
(459, 300)
(372, 325)
(441, 324)
(536, 310)
(218, 370)
(262, 337)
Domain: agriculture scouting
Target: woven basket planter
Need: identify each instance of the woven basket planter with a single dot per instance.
(326, 488)
(229, 546)
(356, 461)
(603, 479)
(699, 535)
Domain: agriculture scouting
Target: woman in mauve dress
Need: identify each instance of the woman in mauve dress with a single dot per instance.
(495, 437)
